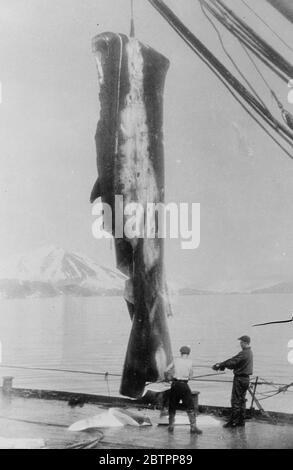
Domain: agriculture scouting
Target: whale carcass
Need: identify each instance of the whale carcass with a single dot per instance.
(130, 163)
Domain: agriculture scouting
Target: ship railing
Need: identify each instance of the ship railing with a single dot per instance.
(109, 381)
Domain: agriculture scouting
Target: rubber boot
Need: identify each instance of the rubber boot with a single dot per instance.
(240, 420)
(192, 419)
(171, 422)
(231, 423)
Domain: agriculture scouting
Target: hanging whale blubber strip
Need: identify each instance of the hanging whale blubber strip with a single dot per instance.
(130, 162)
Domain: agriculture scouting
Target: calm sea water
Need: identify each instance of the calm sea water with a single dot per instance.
(91, 334)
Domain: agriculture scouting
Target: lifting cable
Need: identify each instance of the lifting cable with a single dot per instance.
(71, 371)
(275, 57)
(203, 5)
(286, 115)
(250, 44)
(278, 387)
(267, 25)
(220, 70)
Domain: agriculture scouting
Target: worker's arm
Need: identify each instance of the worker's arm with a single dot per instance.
(168, 374)
(229, 363)
(218, 366)
(170, 366)
(190, 373)
(233, 362)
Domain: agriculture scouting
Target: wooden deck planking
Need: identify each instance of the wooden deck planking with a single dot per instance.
(49, 419)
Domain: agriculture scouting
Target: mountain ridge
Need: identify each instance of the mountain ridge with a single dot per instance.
(51, 271)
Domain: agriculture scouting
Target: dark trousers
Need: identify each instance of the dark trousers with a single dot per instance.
(180, 391)
(238, 400)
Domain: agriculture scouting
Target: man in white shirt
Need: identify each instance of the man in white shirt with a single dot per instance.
(181, 371)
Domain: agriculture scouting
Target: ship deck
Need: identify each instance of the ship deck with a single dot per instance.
(49, 419)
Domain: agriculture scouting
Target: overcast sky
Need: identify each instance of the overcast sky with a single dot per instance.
(215, 154)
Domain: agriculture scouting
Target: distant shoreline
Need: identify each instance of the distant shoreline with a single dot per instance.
(120, 294)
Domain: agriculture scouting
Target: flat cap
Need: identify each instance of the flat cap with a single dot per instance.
(245, 338)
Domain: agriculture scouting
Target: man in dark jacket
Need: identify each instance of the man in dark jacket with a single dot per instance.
(242, 366)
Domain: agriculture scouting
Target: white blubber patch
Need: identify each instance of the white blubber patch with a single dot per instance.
(98, 57)
(112, 418)
(137, 173)
(151, 251)
(161, 361)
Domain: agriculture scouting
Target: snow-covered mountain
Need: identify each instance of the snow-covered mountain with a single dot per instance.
(279, 288)
(51, 271)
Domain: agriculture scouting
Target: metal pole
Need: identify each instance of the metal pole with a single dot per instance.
(253, 393)
(261, 409)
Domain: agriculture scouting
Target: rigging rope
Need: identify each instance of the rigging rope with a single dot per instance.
(60, 370)
(257, 68)
(249, 42)
(86, 444)
(220, 70)
(286, 115)
(267, 25)
(278, 388)
(269, 393)
(202, 5)
(268, 50)
(106, 375)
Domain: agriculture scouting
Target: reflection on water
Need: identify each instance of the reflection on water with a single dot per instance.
(92, 334)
